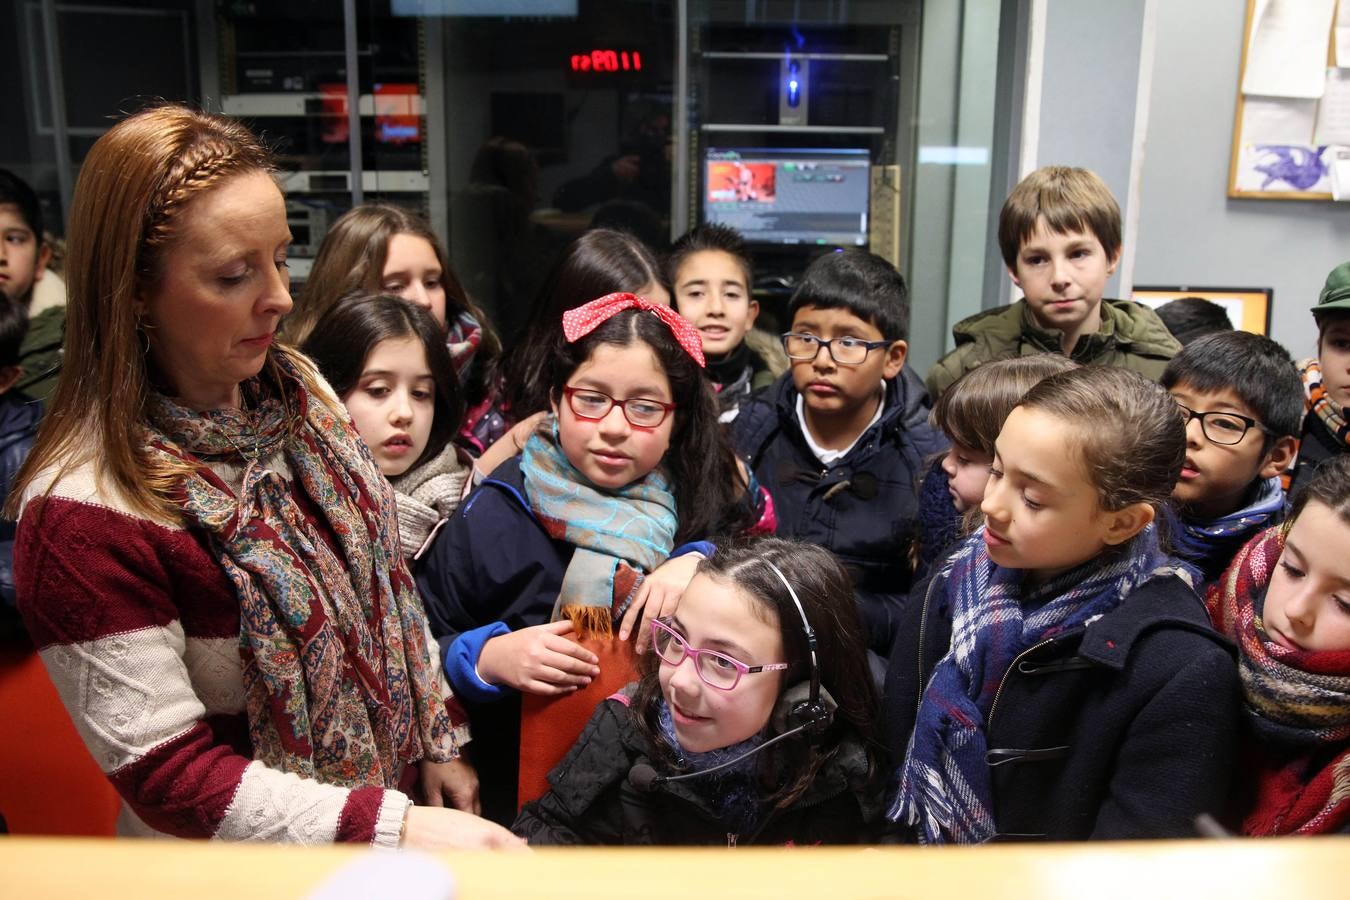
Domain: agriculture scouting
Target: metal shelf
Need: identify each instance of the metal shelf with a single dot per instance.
(310, 104)
(792, 129)
(831, 57)
(300, 267)
(340, 181)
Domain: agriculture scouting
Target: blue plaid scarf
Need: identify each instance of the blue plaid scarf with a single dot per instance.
(732, 791)
(945, 790)
(1210, 545)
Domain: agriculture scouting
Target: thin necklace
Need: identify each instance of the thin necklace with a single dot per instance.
(252, 427)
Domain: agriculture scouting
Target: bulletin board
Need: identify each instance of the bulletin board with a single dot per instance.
(1247, 308)
(1291, 129)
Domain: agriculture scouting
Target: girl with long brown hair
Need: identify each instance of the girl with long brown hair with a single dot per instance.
(385, 249)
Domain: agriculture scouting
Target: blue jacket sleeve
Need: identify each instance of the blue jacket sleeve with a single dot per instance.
(491, 562)
(707, 548)
(461, 664)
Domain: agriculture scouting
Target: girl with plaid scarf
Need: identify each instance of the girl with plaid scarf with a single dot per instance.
(1069, 685)
(1285, 601)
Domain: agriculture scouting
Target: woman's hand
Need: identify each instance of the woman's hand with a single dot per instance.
(657, 597)
(508, 445)
(540, 659)
(454, 782)
(433, 828)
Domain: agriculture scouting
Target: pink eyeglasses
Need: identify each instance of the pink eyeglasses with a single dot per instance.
(716, 670)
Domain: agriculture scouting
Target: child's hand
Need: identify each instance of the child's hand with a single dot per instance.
(538, 660)
(657, 597)
(454, 781)
(428, 828)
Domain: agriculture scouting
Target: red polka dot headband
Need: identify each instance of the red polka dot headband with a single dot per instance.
(579, 322)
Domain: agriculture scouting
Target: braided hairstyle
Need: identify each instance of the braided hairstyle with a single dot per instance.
(134, 187)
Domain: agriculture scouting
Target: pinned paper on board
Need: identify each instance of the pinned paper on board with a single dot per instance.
(1279, 119)
(1293, 105)
(1333, 110)
(1340, 173)
(1342, 37)
(1285, 52)
(1301, 168)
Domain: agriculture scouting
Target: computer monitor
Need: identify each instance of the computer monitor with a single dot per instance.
(789, 196)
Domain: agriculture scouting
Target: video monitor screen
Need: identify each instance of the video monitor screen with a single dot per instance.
(797, 196)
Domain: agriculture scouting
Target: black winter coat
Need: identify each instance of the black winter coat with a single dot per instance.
(1124, 729)
(20, 416)
(865, 507)
(492, 562)
(591, 802)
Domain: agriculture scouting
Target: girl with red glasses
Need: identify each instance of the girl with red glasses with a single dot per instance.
(629, 465)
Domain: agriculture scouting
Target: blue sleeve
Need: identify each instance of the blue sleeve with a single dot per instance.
(461, 664)
(707, 548)
(491, 562)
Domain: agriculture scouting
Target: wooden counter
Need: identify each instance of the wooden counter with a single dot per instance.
(1193, 870)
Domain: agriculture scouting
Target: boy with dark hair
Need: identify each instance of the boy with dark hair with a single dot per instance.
(24, 254)
(1240, 396)
(1326, 380)
(1189, 318)
(839, 440)
(19, 418)
(1059, 233)
(710, 275)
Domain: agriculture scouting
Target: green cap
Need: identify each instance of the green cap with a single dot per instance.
(1336, 293)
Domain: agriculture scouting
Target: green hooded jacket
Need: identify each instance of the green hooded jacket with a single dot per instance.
(40, 353)
(1131, 336)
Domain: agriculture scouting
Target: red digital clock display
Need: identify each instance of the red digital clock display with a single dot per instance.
(600, 60)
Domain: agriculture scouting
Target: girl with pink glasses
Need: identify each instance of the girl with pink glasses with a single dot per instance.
(751, 723)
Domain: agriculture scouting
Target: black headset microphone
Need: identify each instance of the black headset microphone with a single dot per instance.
(812, 715)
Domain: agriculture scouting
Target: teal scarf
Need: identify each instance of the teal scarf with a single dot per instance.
(619, 536)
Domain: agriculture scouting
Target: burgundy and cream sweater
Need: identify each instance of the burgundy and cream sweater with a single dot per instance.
(139, 629)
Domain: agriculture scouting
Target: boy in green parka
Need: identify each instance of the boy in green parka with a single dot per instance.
(1059, 233)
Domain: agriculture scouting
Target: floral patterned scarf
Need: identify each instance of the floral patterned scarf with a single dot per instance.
(339, 682)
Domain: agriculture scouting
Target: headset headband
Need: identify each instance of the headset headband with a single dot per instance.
(814, 697)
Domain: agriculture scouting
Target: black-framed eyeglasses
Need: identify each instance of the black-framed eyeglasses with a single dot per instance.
(846, 351)
(1221, 427)
(641, 412)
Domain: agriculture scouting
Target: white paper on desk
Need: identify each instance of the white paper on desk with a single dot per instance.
(1340, 173)
(1287, 53)
(1333, 110)
(1278, 120)
(1343, 34)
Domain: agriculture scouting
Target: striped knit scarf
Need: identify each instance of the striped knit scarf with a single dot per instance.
(618, 535)
(338, 680)
(428, 495)
(462, 338)
(1317, 402)
(945, 790)
(1292, 699)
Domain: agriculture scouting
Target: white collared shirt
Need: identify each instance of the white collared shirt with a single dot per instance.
(830, 457)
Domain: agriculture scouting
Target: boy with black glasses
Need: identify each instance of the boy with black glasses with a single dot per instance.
(839, 440)
(1242, 402)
